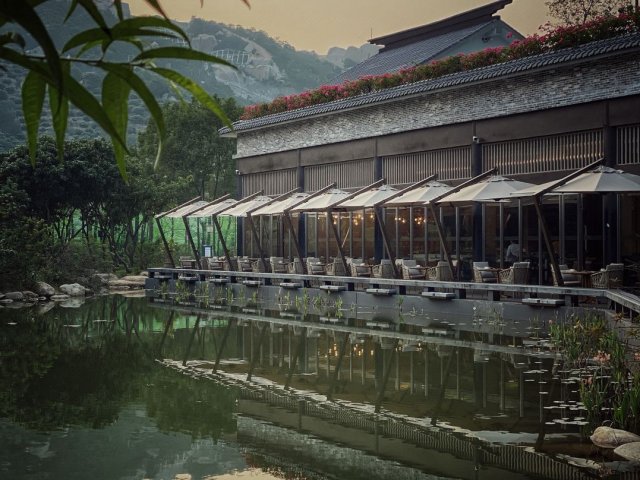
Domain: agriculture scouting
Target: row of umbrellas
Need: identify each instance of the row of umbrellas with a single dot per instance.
(487, 187)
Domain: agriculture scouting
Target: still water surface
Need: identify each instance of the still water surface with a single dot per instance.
(82, 397)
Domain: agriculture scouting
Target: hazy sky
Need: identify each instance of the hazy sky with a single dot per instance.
(321, 24)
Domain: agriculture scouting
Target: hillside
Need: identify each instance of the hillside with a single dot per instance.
(266, 68)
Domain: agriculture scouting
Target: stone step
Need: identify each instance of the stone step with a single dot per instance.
(543, 302)
(439, 295)
(333, 288)
(387, 292)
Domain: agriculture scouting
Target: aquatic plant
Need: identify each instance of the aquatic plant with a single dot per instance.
(606, 366)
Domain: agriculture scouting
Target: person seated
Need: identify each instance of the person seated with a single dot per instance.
(513, 252)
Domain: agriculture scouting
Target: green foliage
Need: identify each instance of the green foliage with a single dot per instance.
(56, 72)
(193, 150)
(64, 219)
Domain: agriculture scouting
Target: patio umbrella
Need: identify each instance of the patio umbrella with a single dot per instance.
(322, 202)
(177, 212)
(601, 180)
(490, 189)
(278, 208)
(242, 209)
(368, 199)
(419, 195)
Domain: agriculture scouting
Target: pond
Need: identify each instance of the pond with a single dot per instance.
(118, 389)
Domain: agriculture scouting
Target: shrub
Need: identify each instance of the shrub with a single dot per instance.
(555, 38)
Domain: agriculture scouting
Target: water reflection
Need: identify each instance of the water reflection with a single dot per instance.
(82, 395)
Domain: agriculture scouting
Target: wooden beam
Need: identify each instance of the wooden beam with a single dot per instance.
(336, 370)
(256, 351)
(385, 378)
(165, 243)
(225, 336)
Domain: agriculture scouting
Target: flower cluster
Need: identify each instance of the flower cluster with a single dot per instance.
(553, 39)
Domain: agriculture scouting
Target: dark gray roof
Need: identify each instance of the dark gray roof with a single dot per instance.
(408, 55)
(545, 60)
(475, 16)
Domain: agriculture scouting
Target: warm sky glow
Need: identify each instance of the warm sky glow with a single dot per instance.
(321, 24)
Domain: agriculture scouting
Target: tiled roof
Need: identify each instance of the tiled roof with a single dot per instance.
(407, 56)
(545, 60)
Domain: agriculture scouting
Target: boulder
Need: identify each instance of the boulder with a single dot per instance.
(45, 307)
(5, 301)
(30, 296)
(44, 289)
(73, 302)
(59, 297)
(15, 296)
(73, 289)
(629, 451)
(607, 437)
(130, 281)
(102, 279)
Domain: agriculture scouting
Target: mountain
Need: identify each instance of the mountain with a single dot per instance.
(266, 68)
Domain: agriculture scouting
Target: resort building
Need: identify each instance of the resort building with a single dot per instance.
(533, 119)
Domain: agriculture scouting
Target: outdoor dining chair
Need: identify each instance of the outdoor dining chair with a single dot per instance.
(609, 277)
(278, 265)
(482, 273)
(383, 270)
(517, 274)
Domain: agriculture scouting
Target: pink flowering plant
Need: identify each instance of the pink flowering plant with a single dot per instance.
(550, 39)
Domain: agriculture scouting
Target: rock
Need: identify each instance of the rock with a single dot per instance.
(1, 296)
(102, 279)
(15, 296)
(42, 299)
(6, 301)
(130, 281)
(144, 273)
(73, 302)
(30, 296)
(607, 437)
(45, 307)
(73, 289)
(60, 297)
(44, 289)
(629, 451)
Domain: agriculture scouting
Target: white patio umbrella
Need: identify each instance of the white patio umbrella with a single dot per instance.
(419, 195)
(490, 189)
(487, 190)
(368, 199)
(278, 207)
(322, 202)
(602, 180)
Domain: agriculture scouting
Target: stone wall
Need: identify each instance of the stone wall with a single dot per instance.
(574, 84)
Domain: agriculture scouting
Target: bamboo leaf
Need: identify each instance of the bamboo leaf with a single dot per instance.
(59, 105)
(180, 53)
(156, 6)
(92, 10)
(126, 73)
(115, 100)
(149, 22)
(33, 90)
(196, 90)
(25, 15)
(87, 103)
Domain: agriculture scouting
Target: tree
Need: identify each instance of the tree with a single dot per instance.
(53, 71)
(577, 12)
(193, 149)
